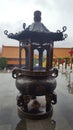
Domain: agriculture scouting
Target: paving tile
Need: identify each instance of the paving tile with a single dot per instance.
(5, 127)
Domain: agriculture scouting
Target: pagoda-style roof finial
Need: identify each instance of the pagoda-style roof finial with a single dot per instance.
(37, 16)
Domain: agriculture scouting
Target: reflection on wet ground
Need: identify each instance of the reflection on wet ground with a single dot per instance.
(62, 118)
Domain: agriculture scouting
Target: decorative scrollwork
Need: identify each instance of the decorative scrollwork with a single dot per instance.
(58, 31)
(65, 36)
(24, 25)
(9, 35)
(64, 28)
(6, 32)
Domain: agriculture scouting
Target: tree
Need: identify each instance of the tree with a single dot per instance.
(3, 62)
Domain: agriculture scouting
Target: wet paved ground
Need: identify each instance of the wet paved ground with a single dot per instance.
(62, 118)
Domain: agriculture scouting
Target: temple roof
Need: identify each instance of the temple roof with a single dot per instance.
(37, 32)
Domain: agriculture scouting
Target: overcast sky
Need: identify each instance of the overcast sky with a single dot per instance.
(55, 15)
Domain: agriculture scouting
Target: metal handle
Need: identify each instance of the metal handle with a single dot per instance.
(54, 72)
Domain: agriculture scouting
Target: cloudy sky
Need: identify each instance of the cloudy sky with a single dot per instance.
(55, 15)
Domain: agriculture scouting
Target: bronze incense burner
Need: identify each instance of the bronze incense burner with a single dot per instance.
(36, 83)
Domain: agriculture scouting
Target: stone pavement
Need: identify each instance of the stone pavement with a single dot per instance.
(62, 118)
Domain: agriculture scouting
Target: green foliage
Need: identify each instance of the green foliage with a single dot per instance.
(3, 62)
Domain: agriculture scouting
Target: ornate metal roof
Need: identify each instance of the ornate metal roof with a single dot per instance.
(37, 32)
(37, 26)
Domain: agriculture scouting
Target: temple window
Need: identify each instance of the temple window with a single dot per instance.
(23, 57)
(36, 58)
(44, 57)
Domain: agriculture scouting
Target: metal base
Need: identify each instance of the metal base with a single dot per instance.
(35, 114)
